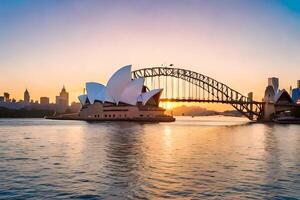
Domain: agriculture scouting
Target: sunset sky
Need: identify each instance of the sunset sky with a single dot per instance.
(47, 44)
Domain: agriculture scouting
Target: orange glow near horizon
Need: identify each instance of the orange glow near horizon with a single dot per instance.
(168, 105)
(47, 45)
(209, 106)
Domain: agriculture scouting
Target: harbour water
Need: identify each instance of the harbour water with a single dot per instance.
(192, 158)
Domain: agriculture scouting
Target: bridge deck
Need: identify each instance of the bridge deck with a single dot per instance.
(208, 101)
(191, 86)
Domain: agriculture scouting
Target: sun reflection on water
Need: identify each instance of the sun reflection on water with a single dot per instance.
(191, 158)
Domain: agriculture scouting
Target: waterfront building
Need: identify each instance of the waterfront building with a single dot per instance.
(6, 97)
(269, 94)
(63, 98)
(276, 101)
(75, 107)
(12, 105)
(1, 98)
(62, 101)
(274, 82)
(44, 100)
(122, 99)
(250, 96)
(26, 97)
(296, 93)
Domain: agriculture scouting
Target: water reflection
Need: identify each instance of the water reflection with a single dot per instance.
(124, 157)
(191, 158)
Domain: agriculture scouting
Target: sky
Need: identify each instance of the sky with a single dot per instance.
(46, 44)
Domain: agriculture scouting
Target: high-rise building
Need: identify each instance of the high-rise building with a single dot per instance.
(26, 97)
(44, 100)
(250, 96)
(63, 98)
(62, 101)
(269, 94)
(296, 93)
(274, 82)
(6, 97)
(64, 94)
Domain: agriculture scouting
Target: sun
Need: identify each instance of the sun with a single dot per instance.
(168, 105)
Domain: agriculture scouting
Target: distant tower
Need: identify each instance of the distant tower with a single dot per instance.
(6, 97)
(26, 96)
(269, 94)
(62, 101)
(64, 95)
(296, 93)
(273, 81)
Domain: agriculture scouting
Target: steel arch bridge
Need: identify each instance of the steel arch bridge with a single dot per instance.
(181, 85)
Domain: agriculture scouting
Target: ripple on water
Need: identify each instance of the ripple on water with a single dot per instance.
(189, 159)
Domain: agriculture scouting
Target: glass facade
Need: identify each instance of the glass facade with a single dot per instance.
(296, 95)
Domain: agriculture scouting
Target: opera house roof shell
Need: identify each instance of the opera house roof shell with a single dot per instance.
(120, 88)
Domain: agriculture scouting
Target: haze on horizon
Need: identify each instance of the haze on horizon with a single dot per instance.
(47, 44)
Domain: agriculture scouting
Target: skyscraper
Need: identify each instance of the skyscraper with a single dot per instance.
(296, 93)
(26, 96)
(274, 82)
(62, 101)
(65, 95)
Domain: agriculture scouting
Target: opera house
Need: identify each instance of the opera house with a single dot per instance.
(122, 99)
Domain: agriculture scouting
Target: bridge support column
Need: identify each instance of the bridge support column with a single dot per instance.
(269, 111)
(250, 99)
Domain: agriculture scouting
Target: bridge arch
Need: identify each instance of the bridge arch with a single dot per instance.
(212, 90)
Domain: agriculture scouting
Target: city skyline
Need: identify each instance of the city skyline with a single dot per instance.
(73, 42)
(26, 98)
(150, 99)
(43, 104)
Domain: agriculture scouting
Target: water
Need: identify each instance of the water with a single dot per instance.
(193, 158)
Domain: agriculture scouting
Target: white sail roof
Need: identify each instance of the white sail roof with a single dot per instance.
(93, 90)
(82, 99)
(103, 96)
(132, 91)
(120, 88)
(118, 83)
(145, 97)
(140, 99)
